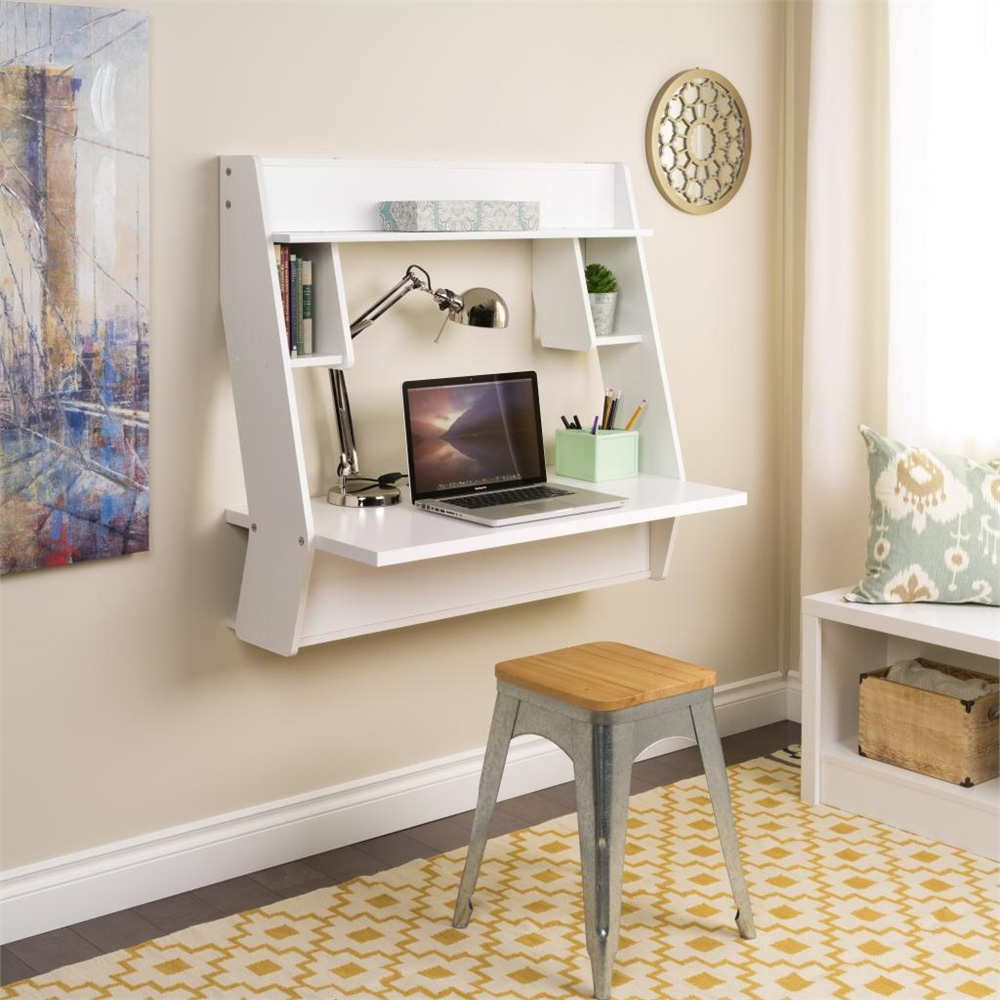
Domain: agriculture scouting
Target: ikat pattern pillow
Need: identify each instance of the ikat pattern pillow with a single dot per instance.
(934, 528)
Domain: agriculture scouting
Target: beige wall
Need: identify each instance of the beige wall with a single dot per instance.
(128, 706)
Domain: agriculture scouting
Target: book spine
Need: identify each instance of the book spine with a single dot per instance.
(286, 305)
(293, 279)
(307, 306)
(299, 341)
(276, 248)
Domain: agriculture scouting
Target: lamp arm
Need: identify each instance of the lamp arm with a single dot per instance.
(444, 297)
(402, 288)
(415, 278)
(349, 465)
(345, 425)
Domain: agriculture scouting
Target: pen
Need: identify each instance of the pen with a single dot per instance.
(607, 408)
(576, 423)
(614, 409)
(566, 424)
(638, 410)
(593, 430)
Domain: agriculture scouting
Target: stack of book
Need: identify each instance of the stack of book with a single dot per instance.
(295, 282)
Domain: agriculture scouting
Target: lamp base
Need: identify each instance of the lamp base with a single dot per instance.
(357, 491)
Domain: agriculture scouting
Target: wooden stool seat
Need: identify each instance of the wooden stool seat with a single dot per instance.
(603, 703)
(604, 676)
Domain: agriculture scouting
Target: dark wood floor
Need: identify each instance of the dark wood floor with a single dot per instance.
(44, 952)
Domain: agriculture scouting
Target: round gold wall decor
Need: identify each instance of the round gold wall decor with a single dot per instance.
(698, 141)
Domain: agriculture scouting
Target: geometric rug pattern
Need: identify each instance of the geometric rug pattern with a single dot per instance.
(845, 907)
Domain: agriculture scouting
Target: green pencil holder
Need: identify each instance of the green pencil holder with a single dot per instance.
(597, 457)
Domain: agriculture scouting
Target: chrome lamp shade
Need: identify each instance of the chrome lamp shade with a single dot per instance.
(480, 307)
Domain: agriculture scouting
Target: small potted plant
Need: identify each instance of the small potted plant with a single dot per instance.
(602, 288)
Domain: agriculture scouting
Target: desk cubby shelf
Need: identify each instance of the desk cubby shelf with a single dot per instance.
(315, 573)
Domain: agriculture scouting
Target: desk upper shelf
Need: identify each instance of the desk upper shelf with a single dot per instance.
(392, 236)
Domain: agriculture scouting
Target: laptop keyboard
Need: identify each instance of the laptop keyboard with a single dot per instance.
(508, 496)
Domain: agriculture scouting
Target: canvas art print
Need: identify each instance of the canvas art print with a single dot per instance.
(74, 284)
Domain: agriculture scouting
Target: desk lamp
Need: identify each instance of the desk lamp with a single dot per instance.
(475, 307)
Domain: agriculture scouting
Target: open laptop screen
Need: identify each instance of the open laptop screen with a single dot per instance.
(472, 433)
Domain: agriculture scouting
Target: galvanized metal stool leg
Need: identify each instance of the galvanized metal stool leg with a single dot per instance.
(703, 717)
(501, 729)
(602, 762)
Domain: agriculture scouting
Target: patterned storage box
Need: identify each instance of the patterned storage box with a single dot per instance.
(458, 216)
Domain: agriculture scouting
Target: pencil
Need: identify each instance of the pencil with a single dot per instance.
(638, 410)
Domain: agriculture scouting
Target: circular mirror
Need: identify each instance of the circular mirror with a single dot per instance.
(698, 141)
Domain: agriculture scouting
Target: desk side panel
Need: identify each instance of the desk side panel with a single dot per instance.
(278, 554)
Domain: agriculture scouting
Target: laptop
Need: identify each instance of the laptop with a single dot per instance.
(474, 451)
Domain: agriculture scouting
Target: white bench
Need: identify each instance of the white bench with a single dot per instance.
(841, 641)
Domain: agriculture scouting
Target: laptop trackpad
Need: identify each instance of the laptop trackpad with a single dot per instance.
(543, 506)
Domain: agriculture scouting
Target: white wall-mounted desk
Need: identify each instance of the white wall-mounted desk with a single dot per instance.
(314, 573)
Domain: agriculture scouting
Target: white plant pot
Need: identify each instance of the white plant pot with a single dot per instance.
(602, 308)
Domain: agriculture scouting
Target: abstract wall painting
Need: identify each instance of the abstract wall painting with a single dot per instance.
(74, 284)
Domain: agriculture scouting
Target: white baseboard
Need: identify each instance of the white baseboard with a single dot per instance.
(793, 694)
(66, 890)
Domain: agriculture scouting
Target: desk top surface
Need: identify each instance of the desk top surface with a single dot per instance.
(400, 534)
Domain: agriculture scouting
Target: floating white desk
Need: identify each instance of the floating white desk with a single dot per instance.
(315, 573)
(386, 568)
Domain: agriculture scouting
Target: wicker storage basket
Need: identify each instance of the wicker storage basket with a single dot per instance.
(928, 732)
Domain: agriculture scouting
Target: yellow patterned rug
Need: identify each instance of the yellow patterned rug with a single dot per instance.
(845, 907)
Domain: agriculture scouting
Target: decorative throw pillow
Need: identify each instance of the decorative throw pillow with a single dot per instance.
(934, 531)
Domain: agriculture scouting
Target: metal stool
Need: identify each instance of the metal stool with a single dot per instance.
(603, 703)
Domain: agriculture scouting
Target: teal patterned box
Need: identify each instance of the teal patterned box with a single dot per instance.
(597, 457)
(458, 216)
